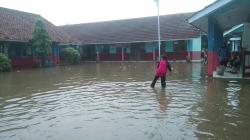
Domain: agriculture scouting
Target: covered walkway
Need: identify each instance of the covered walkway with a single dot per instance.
(219, 18)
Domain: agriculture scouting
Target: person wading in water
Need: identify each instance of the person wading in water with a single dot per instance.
(161, 71)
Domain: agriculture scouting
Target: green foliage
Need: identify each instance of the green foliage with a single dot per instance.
(41, 41)
(4, 63)
(71, 55)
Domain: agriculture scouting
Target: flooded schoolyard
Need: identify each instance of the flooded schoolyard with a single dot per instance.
(114, 101)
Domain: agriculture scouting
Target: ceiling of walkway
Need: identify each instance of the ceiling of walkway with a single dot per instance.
(230, 15)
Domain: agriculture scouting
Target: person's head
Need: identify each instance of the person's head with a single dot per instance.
(164, 57)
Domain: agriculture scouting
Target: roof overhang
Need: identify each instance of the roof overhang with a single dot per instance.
(234, 29)
(129, 42)
(209, 9)
(227, 13)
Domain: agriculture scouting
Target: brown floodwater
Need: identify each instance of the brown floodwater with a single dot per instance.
(114, 101)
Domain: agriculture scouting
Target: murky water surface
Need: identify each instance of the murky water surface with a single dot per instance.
(111, 101)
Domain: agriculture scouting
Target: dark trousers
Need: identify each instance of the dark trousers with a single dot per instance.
(163, 82)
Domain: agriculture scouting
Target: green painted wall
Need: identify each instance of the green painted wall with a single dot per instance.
(169, 46)
(128, 50)
(149, 47)
(112, 50)
(99, 48)
(194, 45)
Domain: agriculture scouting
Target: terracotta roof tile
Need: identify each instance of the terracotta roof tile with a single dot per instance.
(19, 26)
(173, 27)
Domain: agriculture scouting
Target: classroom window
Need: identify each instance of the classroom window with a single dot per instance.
(5, 50)
(100, 48)
(180, 45)
(1, 49)
(150, 47)
(112, 50)
(128, 50)
(169, 46)
(105, 49)
(29, 51)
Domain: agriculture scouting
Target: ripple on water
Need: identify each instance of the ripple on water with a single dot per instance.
(83, 105)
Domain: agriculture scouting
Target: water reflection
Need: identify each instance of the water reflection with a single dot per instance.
(221, 115)
(233, 94)
(114, 101)
(162, 99)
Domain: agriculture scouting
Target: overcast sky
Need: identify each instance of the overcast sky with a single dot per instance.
(61, 12)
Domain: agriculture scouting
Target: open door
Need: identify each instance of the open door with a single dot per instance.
(246, 63)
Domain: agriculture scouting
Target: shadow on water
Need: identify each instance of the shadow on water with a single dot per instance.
(108, 101)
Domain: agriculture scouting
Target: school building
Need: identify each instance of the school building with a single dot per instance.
(136, 39)
(226, 21)
(16, 30)
(118, 40)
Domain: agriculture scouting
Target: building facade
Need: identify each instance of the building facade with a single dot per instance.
(16, 30)
(118, 40)
(136, 39)
(226, 21)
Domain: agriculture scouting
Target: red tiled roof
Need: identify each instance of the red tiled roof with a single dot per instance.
(19, 26)
(173, 27)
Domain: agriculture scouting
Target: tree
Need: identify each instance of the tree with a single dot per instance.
(71, 55)
(4, 63)
(41, 42)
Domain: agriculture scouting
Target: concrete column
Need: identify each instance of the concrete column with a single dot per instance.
(55, 55)
(58, 54)
(122, 54)
(189, 48)
(153, 54)
(215, 40)
(97, 54)
(33, 55)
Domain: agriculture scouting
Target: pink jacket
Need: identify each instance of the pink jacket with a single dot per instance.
(162, 68)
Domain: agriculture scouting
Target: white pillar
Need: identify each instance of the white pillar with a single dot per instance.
(122, 54)
(159, 31)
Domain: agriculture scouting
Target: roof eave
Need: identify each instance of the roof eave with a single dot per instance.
(233, 29)
(209, 9)
(127, 42)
